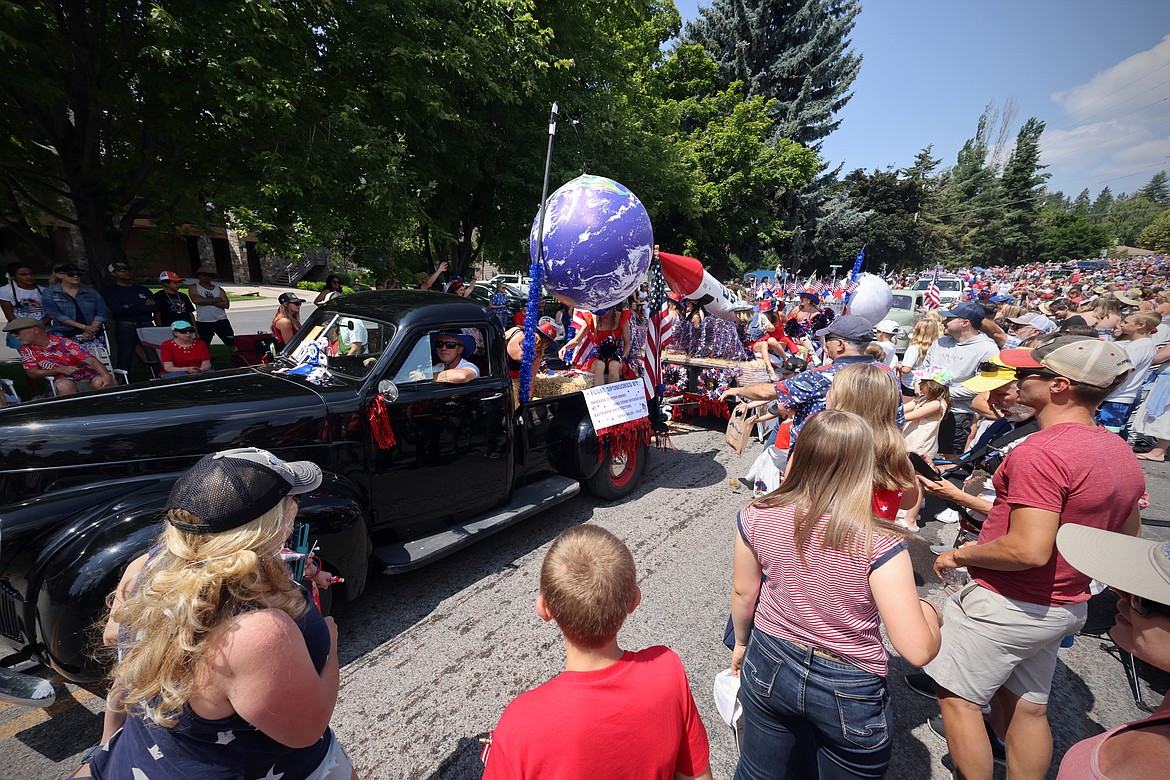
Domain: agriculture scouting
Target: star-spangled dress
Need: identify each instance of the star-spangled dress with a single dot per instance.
(228, 748)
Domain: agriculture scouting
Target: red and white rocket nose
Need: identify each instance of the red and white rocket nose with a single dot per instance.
(684, 275)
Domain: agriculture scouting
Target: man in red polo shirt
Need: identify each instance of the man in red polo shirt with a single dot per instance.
(44, 355)
(1002, 631)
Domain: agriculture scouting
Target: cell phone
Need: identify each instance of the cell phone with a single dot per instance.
(924, 468)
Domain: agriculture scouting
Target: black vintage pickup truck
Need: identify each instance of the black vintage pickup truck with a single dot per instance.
(83, 479)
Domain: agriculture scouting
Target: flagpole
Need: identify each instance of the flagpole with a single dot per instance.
(532, 310)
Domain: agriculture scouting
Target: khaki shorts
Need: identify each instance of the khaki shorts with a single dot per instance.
(990, 641)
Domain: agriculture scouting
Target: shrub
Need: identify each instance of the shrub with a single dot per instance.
(319, 286)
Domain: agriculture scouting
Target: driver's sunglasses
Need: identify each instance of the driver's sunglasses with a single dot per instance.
(186, 330)
(447, 344)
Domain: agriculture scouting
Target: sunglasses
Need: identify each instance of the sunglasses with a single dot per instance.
(987, 367)
(1144, 607)
(69, 273)
(186, 330)
(448, 344)
(1022, 373)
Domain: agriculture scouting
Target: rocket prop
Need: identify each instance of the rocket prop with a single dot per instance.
(687, 277)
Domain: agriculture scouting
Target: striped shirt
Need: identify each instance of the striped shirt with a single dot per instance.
(825, 601)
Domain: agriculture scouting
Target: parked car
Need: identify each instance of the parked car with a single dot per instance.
(85, 478)
(518, 281)
(906, 310)
(517, 299)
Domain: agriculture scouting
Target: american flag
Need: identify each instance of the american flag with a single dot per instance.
(658, 331)
(817, 286)
(932, 297)
(581, 355)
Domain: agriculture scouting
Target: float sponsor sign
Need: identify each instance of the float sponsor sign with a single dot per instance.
(617, 403)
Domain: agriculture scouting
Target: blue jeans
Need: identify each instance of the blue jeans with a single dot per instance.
(808, 716)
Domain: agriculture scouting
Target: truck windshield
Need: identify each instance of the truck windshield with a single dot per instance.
(351, 344)
(944, 285)
(903, 301)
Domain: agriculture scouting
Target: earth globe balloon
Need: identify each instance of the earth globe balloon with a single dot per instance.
(597, 243)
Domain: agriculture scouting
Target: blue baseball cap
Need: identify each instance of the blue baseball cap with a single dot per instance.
(965, 311)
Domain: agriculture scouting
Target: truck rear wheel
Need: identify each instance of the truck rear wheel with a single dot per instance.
(618, 475)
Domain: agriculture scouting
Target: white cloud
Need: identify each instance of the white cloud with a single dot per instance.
(1115, 125)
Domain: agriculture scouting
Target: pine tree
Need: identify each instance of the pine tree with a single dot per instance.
(797, 52)
(1020, 187)
(1080, 206)
(1157, 190)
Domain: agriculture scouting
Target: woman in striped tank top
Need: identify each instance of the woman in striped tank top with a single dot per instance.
(815, 575)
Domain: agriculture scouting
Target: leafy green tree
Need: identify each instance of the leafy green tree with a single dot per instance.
(796, 52)
(735, 174)
(891, 235)
(117, 111)
(1156, 235)
(1128, 217)
(1066, 235)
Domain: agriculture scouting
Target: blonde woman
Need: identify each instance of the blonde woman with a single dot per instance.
(925, 333)
(288, 318)
(815, 575)
(227, 669)
(868, 390)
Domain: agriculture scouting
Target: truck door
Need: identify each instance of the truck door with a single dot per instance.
(452, 457)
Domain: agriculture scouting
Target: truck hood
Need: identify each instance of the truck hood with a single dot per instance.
(154, 427)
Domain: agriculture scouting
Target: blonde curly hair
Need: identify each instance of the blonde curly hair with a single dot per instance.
(187, 596)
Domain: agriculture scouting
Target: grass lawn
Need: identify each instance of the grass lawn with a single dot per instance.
(10, 369)
(231, 295)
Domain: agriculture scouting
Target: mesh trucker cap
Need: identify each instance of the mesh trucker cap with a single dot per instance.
(230, 488)
(1137, 566)
(1080, 358)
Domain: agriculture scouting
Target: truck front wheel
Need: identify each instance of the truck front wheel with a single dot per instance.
(618, 475)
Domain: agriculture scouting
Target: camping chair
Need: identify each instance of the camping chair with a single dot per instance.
(99, 349)
(152, 339)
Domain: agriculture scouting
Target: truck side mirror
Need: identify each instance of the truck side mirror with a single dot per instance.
(388, 390)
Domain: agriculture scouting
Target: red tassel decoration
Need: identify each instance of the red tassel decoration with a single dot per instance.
(624, 438)
(380, 424)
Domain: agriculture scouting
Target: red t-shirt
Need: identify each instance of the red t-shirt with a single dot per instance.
(170, 352)
(633, 719)
(1086, 473)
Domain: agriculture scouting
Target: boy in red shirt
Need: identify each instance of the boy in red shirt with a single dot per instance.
(611, 713)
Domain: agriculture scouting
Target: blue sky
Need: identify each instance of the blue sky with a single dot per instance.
(1098, 75)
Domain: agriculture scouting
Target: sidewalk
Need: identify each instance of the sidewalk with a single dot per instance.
(266, 299)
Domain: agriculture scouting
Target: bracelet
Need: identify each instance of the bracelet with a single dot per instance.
(316, 562)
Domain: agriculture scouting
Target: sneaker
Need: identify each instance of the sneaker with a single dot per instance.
(939, 549)
(948, 516)
(998, 749)
(920, 683)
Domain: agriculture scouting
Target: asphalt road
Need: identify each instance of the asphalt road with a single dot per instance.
(431, 658)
